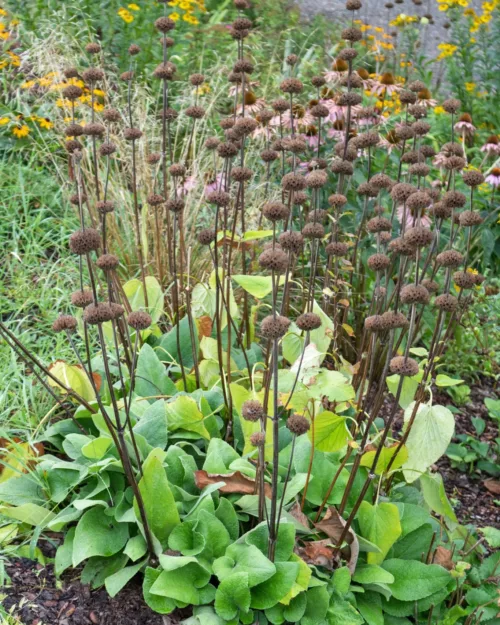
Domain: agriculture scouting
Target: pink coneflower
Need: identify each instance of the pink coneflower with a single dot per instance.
(249, 86)
(339, 68)
(385, 85)
(311, 137)
(367, 116)
(336, 111)
(188, 185)
(390, 141)
(425, 98)
(301, 117)
(464, 125)
(337, 130)
(214, 184)
(439, 160)
(493, 177)
(253, 104)
(411, 218)
(365, 78)
(492, 146)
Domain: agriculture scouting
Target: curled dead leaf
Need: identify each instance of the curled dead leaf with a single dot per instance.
(234, 483)
(442, 556)
(204, 326)
(299, 516)
(333, 525)
(318, 553)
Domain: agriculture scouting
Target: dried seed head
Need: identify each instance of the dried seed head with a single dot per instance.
(349, 99)
(295, 145)
(300, 198)
(73, 130)
(418, 200)
(427, 151)
(418, 236)
(72, 92)
(154, 158)
(451, 106)
(404, 366)
(293, 182)
(446, 302)
(227, 123)
(404, 132)
(407, 97)
(76, 199)
(414, 294)
(107, 148)
(384, 237)
(212, 143)
(117, 310)
(73, 146)
(419, 169)
(450, 258)
(378, 262)
(132, 134)
(241, 174)
(169, 114)
(292, 59)
(107, 262)
(175, 204)
(401, 247)
(313, 231)
(318, 81)
(351, 154)
(94, 129)
(155, 199)
(317, 215)
(243, 66)
(93, 48)
(227, 150)
(375, 323)
(416, 86)
(139, 320)
(97, 313)
(454, 163)
(164, 24)
(177, 170)
(241, 4)
(292, 85)
(219, 198)
(316, 179)
(395, 320)
(276, 211)
(65, 322)
(452, 149)
(352, 34)
(105, 206)
(297, 424)
(292, 241)
(473, 178)
(308, 322)
(417, 110)
(379, 224)
(349, 54)
(319, 111)
(470, 218)
(93, 74)
(252, 410)
(71, 72)
(454, 199)
(274, 260)
(82, 299)
(402, 191)
(274, 328)
(381, 181)
(342, 167)
(206, 237)
(337, 249)
(84, 241)
(280, 105)
(268, 156)
(353, 5)
(367, 189)
(368, 139)
(133, 49)
(195, 112)
(245, 125)
(464, 279)
(412, 157)
(258, 439)
(430, 285)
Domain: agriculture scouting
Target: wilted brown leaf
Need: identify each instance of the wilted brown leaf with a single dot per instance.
(205, 326)
(493, 486)
(317, 553)
(442, 556)
(299, 516)
(236, 244)
(234, 482)
(333, 525)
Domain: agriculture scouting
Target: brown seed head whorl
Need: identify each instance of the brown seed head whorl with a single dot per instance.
(274, 328)
(297, 424)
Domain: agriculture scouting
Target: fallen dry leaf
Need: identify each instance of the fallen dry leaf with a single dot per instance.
(442, 556)
(493, 486)
(333, 525)
(205, 326)
(317, 553)
(17, 457)
(299, 516)
(234, 483)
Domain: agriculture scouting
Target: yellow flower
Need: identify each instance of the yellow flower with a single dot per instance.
(3, 12)
(4, 120)
(447, 49)
(439, 110)
(174, 16)
(21, 131)
(28, 84)
(45, 123)
(470, 86)
(98, 107)
(125, 15)
(134, 7)
(190, 19)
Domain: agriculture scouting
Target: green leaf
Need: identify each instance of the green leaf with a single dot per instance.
(412, 517)
(292, 344)
(167, 348)
(73, 377)
(444, 380)
(134, 290)
(492, 536)
(183, 414)
(114, 583)
(162, 605)
(29, 513)
(186, 539)
(268, 593)
(341, 612)
(451, 616)
(413, 544)
(318, 600)
(341, 580)
(428, 439)
(233, 594)
(322, 336)
(183, 579)
(98, 535)
(258, 286)
(370, 607)
(159, 503)
(380, 525)
(372, 574)
(331, 384)
(409, 388)
(385, 458)
(151, 375)
(153, 425)
(64, 553)
(415, 580)
(253, 235)
(97, 448)
(435, 496)
(242, 558)
(259, 537)
(330, 432)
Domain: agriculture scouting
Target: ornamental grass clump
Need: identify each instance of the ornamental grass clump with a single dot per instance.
(239, 427)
